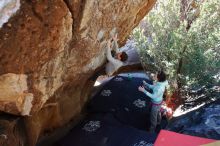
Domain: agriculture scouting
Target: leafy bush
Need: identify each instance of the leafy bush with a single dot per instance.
(184, 40)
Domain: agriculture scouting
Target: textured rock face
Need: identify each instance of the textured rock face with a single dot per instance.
(51, 48)
(13, 94)
(12, 131)
(203, 122)
(33, 42)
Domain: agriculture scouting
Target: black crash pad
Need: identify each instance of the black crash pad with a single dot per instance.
(105, 130)
(121, 97)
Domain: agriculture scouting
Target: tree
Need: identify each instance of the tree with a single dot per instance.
(183, 38)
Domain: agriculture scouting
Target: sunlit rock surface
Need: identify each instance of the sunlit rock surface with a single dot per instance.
(54, 47)
(14, 96)
(203, 122)
(7, 9)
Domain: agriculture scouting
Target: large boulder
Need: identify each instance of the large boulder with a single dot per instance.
(48, 51)
(203, 122)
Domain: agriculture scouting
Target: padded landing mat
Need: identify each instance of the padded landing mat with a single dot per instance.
(120, 92)
(121, 97)
(104, 130)
(168, 138)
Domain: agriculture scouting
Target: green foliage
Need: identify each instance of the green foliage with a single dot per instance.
(163, 40)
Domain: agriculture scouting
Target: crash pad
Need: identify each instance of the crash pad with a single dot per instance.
(168, 138)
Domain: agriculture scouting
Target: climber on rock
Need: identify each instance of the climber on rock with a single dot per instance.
(115, 58)
(156, 97)
(114, 45)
